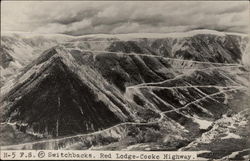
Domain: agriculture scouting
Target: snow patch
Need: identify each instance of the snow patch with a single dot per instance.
(231, 135)
(204, 124)
(131, 147)
(154, 35)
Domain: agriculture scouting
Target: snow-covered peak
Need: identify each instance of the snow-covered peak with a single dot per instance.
(161, 35)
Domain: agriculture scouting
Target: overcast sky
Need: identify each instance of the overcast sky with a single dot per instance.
(79, 17)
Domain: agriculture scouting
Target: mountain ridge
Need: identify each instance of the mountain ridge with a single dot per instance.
(191, 32)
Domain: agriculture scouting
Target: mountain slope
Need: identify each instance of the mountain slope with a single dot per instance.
(19, 49)
(53, 100)
(129, 92)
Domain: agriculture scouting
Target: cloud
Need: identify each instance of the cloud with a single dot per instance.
(78, 18)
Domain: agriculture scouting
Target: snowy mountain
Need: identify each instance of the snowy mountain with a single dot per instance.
(125, 92)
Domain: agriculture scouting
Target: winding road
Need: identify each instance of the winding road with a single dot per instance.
(223, 89)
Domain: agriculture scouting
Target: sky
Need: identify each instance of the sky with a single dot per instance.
(82, 17)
